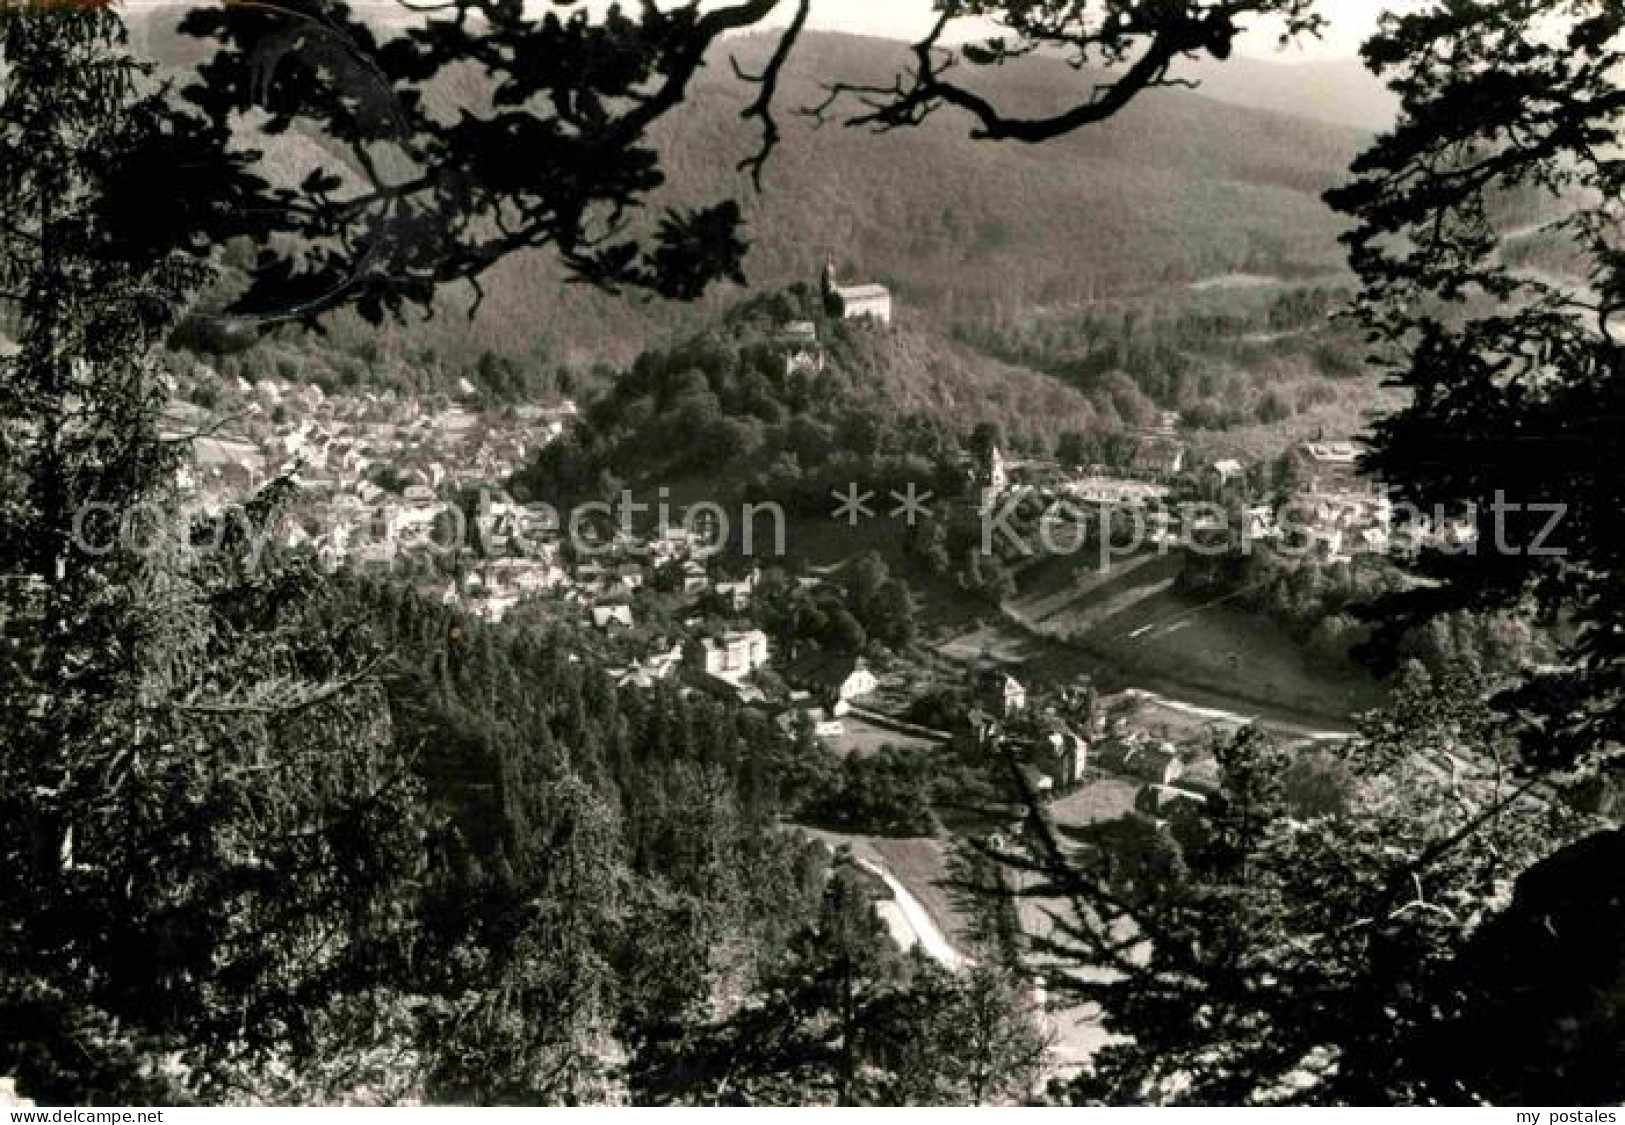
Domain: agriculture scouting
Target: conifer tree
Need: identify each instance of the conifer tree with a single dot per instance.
(209, 830)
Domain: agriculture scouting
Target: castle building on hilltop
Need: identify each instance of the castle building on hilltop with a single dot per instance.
(992, 478)
(855, 302)
(801, 350)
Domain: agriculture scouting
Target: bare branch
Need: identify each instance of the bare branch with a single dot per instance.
(284, 710)
(761, 109)
(1155, 35)
(208, 430)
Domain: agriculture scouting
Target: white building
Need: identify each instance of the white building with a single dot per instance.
(856, 302)
(735, 654)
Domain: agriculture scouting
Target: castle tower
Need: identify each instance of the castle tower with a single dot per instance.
(995, 471)
(994, 479)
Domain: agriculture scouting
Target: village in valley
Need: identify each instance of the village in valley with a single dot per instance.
(414, 489)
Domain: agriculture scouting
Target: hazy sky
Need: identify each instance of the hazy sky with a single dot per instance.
(1351, 21)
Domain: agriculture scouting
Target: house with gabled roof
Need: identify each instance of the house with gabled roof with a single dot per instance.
(999, 692)
(734, 654)
(1061, 755)
(1159, 457)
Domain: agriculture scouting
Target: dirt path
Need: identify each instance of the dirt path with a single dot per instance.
(1230, 718)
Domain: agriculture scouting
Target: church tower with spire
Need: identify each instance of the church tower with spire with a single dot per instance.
(831, 287)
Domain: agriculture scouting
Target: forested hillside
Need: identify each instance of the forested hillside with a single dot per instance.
(1340, 91)
(1178, 188)
(885, 405)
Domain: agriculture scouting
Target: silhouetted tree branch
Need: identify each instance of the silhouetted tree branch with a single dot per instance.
(1131, 47)
(548, 143)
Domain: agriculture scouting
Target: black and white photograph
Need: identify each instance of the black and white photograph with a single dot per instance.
(812, 554)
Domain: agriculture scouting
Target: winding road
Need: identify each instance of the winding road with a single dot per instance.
(908, 919)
